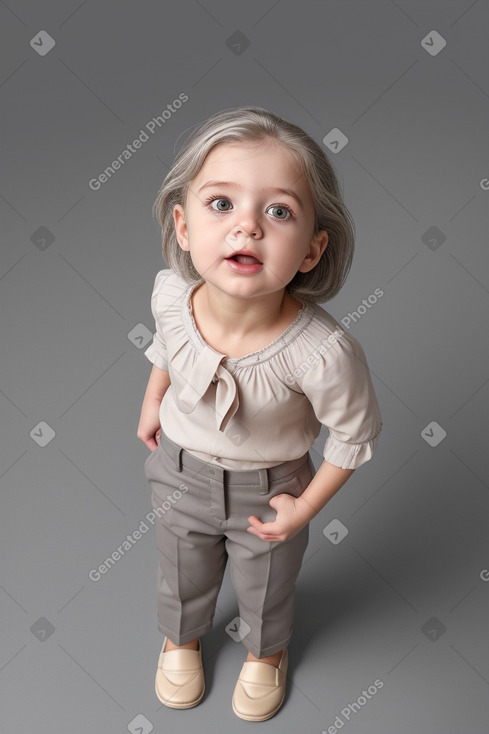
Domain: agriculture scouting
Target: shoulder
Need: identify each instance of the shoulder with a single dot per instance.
(166, 280)
(168, 289)
(327, 331)
(323, 345)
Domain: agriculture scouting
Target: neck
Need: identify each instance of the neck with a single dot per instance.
(242, 317)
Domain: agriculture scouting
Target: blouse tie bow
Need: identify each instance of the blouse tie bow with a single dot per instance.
(209, 376)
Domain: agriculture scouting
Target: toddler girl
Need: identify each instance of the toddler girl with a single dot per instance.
(247, 367)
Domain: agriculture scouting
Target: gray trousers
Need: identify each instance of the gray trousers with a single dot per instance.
(201, 518)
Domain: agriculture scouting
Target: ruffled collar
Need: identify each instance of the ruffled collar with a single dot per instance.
(300, 322)
(211, 369)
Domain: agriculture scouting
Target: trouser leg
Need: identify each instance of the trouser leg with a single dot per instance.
(264, 573)
(191, 553)
(190, 571)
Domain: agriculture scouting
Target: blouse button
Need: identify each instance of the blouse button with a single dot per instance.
(215, 379)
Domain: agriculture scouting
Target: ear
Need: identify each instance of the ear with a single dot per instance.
(181, 227)
(318, 245)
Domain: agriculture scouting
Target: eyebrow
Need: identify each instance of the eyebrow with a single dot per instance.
(231, 184)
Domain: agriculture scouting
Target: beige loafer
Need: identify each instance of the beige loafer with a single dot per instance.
(260, 690)
(179, 680)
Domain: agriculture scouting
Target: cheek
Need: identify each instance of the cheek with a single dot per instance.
(205, 224)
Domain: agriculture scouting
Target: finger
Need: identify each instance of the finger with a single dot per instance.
(253, 531)
(262, 536)
(279, 498)
(262, 528)
(255, 522)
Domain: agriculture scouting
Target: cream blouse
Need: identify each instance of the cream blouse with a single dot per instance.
(265, 407)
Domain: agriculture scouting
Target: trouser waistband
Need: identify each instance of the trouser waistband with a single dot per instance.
(261, 477)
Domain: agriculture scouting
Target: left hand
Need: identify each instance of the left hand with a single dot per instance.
(291, 518)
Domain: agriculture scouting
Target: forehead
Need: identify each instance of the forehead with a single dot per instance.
(240, 160)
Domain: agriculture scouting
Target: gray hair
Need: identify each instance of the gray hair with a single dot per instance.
(331, 214)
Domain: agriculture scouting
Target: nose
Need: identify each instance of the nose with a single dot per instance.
(240, 233)
(247, 225)
(238, 238)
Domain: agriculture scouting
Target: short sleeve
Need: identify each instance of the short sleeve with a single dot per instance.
(156, 352)
(340, 389)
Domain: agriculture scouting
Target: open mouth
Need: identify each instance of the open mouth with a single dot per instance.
(245, 259)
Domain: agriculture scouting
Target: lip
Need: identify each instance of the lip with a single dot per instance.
(244, 269)
(245, 252)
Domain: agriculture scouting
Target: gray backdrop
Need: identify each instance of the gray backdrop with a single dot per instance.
(391, 629)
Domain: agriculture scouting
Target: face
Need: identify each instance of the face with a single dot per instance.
(245, 211)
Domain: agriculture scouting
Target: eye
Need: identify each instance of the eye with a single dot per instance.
(220, 200)
(282, 212)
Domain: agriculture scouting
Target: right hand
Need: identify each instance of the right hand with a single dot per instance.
(149, 428)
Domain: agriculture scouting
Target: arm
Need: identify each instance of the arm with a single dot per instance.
(294, 513)
(325, 483)
(149, 421)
